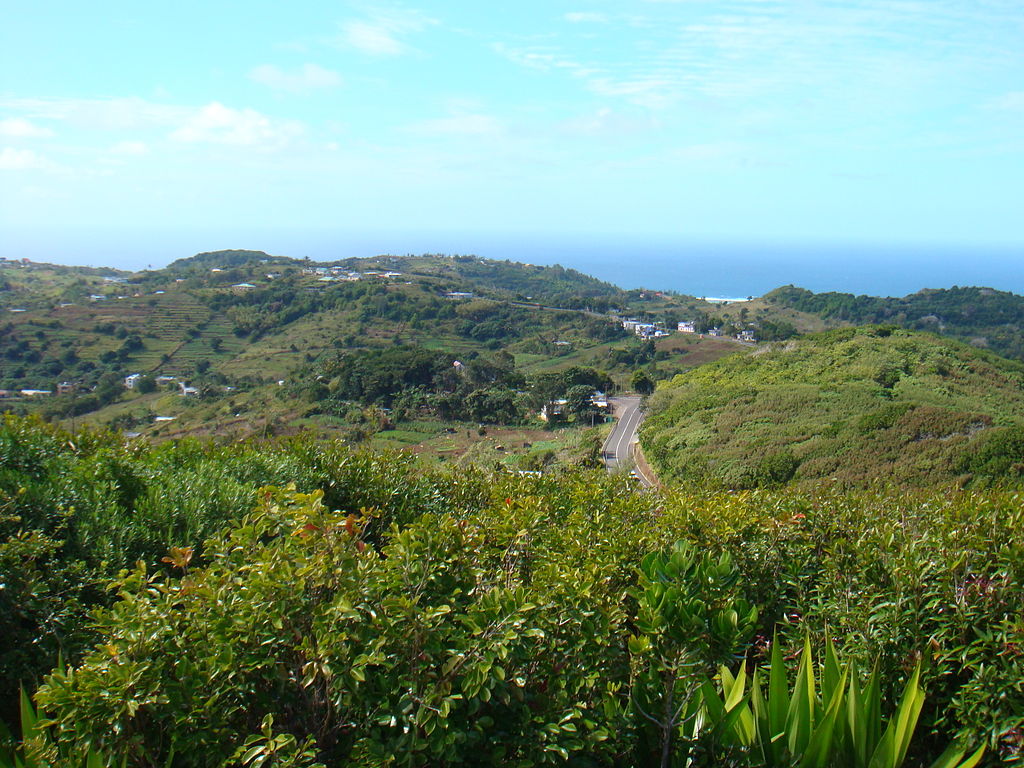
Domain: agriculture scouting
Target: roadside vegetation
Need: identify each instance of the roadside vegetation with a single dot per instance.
(380, 612)
(983, 317)
(853, 407)
(326, 524)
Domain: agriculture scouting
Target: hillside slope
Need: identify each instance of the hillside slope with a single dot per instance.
(983, 317)
(854, 406)
(257, 340)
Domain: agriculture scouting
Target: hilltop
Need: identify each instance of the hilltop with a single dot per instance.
(855, 406)
(414, 352)
(983, 317)
(241, 342)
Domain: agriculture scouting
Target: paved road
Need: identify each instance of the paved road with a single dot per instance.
(617, 451)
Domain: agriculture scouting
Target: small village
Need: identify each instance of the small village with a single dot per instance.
(657, 330)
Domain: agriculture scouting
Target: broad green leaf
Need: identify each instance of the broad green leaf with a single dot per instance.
(819, 751)
(778, 700)
(800, 717)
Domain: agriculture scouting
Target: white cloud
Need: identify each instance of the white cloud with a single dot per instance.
(101, 114)
(459, 125)
(138, 121)
(583, 17)
(733, 53)
(12, 159)
(543, 58)
(372, 38)
(309, 77)
(381, 34)
(130, 148)
(218, 124)
(650, 91)
(19, 128)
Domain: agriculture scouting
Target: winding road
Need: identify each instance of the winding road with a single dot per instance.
(617, 451)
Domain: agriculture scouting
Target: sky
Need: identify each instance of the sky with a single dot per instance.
(135, 133)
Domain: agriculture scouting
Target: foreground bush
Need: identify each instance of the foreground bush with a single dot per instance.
(893, 576)
(452, 645)
(74, 510)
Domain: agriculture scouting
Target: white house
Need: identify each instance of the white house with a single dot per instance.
(131, 381)
(686, 327)
(556, 408)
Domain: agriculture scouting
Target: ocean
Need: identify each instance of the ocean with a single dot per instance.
(720, 269)
(735, 271)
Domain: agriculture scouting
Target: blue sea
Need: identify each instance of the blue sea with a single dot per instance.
(737, 271)
(720, 269)
(698, 268)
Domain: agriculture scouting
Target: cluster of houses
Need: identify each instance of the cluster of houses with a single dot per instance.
(338, 274)
(131, 381)
(323, 275)
(557, 408)
(70, 387)
(644, 330)
(690, 327)
(657, 331)
(63, 388)
(9, 393)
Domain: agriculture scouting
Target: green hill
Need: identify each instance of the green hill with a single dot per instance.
(983, 317)
(235, 324)
(853, 406)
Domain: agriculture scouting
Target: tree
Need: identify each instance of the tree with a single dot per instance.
(690, 618)
(579, 401)
(642, 383)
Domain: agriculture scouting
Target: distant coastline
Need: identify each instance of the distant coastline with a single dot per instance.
(695, 268)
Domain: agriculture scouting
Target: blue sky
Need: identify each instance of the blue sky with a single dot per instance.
(134, 132)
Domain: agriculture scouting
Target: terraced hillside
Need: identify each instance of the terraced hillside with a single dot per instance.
(232, 325)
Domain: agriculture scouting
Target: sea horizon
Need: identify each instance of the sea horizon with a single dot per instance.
(712, 269)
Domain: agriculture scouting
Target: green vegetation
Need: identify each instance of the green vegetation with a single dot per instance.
(385, 613)
(982, 316)
(855, 406)
(501, 600)
(233, 324)
(842, 725)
